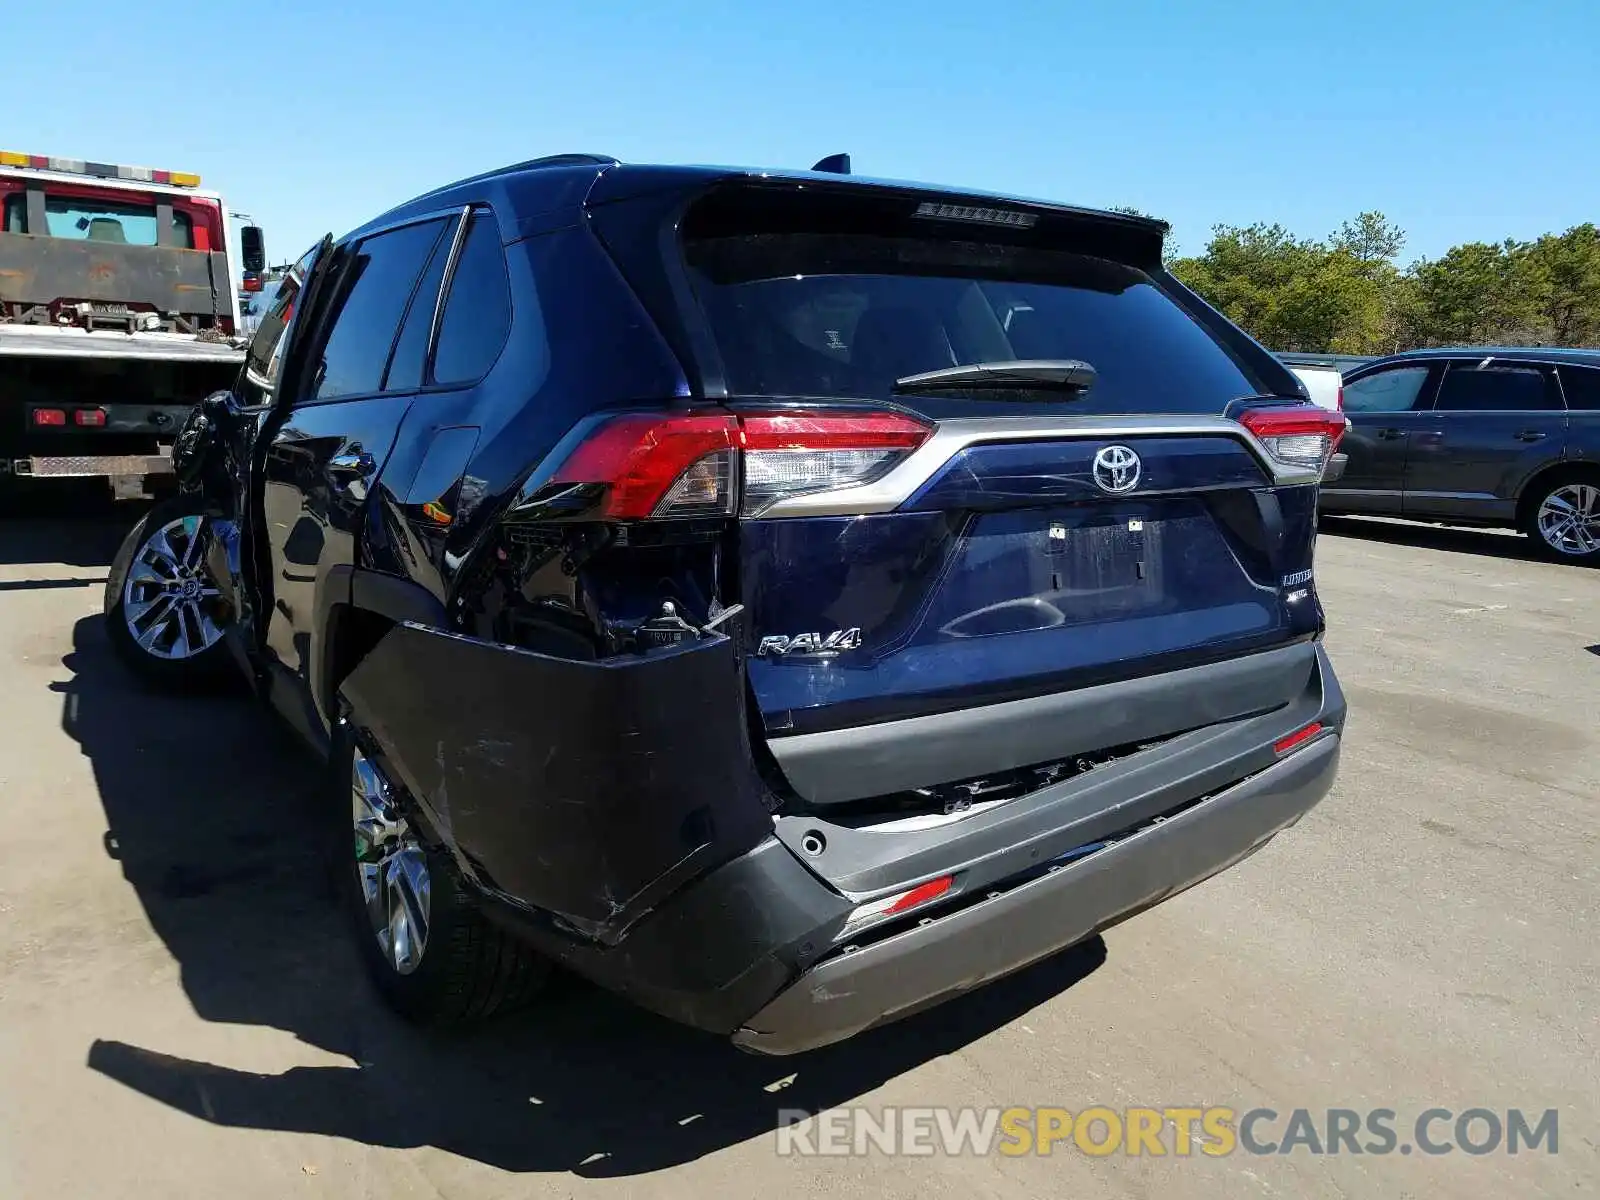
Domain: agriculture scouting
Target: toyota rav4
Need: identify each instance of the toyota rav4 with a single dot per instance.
(787, 599)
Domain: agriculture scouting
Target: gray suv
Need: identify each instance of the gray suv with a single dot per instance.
(1478, 436)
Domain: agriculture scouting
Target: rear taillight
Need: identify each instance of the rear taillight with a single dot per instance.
(669, 465)
(1299, 436)
(788, 456)
(49, 416)
(95, 417)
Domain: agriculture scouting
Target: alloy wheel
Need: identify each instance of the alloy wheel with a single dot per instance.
(173, 610)
(392, 866)
(1569, 519)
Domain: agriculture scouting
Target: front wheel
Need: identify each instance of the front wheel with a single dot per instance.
(1564, 520)
(432, 954)
(166, 615)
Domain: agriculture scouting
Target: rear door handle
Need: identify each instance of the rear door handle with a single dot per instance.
(1530, 435)
(1389, 435)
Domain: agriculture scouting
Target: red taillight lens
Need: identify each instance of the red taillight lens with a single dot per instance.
(663, 465)
(646, 457)
(1298, 435)
(49, 416)
(89, 416)
(252, 283)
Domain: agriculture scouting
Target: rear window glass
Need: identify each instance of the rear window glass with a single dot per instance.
(1493, 389)
(90, 220)
(838, 316)
(1582, 386)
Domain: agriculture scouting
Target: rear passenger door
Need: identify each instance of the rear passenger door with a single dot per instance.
(1581, 388)
(1384, 409)
(1494, 423)
(329, 442)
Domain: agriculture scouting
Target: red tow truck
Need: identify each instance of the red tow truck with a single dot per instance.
(119, 310)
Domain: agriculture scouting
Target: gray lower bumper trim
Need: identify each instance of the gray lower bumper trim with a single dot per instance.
(953, 954)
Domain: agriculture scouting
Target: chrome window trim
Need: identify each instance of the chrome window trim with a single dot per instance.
(446, 281)
(951, 437)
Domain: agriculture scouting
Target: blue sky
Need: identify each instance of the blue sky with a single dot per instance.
(1460, 121)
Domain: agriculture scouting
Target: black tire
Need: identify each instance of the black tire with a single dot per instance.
(1568, 486)
(469, 969)
(208, 667)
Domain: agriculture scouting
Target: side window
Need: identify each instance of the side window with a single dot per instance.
(477, 312)
(411, 350)
(1495, 388)
(1398, 389)
(1582, 386)
(377, 283)
(266, 344)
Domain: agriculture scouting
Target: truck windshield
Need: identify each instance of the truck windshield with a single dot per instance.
(97, 220)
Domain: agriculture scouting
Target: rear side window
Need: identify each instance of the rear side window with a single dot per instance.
(1582, 386)
(411, 350)
(376, 286)
(1500, 388)
(477, 312)
(816, 314)
(15, 216)
(1398, 389)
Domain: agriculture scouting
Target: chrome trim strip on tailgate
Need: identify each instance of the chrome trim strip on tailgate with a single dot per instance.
(951, 437)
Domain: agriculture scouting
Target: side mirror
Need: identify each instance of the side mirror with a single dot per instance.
(252, 249)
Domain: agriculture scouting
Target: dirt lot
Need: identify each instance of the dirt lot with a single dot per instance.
(181, 1014)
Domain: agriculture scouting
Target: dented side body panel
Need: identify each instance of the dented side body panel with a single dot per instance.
(587, 790)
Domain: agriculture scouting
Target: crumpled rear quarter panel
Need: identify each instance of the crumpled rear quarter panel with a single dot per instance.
(590, 790)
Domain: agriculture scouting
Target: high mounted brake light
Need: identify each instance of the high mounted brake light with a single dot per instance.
(78, 166)
(1300, 436)
(686, 465)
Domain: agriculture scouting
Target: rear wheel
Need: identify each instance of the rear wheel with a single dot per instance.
(1563, 519)
(432, 954)
(168, 619)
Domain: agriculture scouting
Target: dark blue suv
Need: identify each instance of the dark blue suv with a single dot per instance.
(787, 599)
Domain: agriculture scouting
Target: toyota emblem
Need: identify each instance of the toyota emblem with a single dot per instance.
(1116, 469)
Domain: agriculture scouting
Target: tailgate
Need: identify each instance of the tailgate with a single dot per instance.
(1010, 572)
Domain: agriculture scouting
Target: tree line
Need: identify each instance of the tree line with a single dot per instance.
(1348, 294)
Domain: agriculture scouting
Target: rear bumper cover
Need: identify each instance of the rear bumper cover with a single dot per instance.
(611, 814)
(1001, 934)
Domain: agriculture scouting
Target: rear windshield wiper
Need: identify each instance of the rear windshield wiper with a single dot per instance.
(1046, 374)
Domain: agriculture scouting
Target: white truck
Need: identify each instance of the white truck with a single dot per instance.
(119, 311)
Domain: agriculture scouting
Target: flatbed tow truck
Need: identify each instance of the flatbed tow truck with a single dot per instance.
(119, 311)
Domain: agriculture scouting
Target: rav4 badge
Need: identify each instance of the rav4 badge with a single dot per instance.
(777, 644)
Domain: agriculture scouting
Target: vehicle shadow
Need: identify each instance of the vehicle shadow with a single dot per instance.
(70, 529)
(209, 808)
(1494, 543)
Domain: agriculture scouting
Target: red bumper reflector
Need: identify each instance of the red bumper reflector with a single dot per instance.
(49, 416)
(919, 895)
(1298, 738)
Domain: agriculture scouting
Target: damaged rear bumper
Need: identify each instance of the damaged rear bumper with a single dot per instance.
(1007, 930)
(612, 814)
